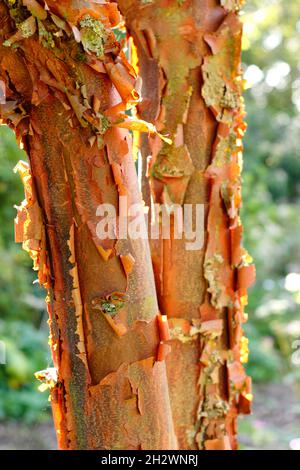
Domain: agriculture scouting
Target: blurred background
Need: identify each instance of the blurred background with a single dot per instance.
(271, 215)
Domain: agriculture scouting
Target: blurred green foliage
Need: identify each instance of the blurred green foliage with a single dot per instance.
(270, 214)
(271, 188)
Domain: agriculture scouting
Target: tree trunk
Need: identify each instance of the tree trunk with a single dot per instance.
(67, 84)
(189, 59)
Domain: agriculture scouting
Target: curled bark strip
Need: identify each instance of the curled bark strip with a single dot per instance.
(29, 226)
(58, 95)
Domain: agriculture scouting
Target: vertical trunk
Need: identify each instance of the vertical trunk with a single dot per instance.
(189, 60)
(67, 81)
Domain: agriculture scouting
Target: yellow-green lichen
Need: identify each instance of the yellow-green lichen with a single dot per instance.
(46, 37)
(173, 162)
(212, 267)
(224, 150)
(213, 407)
(222, 84)
(27, 29)
(104, 123)
(178, 334)
(216, 91)
(93, 35)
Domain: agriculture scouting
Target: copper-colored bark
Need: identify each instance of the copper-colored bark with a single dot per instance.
(189, 60)
(62, 89)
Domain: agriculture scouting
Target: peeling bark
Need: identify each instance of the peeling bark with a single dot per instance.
(68, 85)
(189, 59)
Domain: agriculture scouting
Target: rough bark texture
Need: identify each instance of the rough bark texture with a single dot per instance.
(67, 83)
(189, 60)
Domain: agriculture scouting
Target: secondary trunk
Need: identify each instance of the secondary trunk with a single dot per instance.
(189, 59)
(67, 83)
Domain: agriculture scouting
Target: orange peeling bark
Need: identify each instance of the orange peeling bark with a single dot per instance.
(67, 83)
(189, 60)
